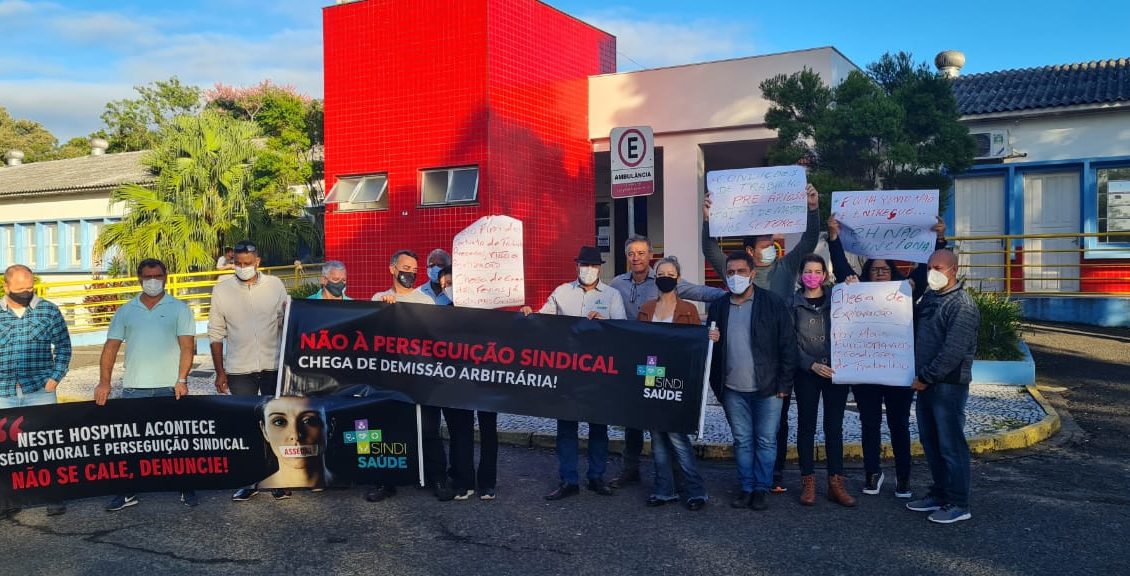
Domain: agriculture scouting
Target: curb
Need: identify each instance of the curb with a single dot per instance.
(1011, 440)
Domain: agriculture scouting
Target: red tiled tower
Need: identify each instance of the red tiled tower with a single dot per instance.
(413, 85)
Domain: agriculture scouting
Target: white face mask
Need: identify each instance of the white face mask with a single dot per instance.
(246, 273)
(153, 287)
(937, 280)
(449, 293)
(769, 254)
(588, 275)
(738, 284)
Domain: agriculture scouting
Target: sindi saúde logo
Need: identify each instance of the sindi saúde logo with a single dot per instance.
(656, 384)
(373, 451)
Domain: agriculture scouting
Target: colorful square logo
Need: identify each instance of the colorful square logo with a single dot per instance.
(362, 436)
(651, 371)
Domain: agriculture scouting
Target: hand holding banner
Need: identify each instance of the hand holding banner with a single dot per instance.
(754, 201)
(487, 264)
(873, 333)
(893, 224)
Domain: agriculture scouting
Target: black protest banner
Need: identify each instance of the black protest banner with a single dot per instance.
(76, 450)
(637, 374)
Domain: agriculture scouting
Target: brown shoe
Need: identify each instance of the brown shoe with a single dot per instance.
(837, 493)
(808, 489)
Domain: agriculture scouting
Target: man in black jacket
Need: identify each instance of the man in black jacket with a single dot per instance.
(751, 373)
(945, 342)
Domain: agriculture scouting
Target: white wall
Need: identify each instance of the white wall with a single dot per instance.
(1066, 137)
(60, 207)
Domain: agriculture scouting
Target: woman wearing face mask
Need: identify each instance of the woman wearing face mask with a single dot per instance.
(669, 448)
(871, 398)
(811, 315)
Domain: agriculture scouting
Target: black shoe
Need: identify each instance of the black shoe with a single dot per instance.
(742, 501)
(280, 494)
(902, 488)
(874, 484)
(695, 504)
(56, 509)
(759, 501)
(563, 491)
(188, 498)
(626, 477)
(443, 492)
(243, 494)
(378, 493)
(655, 501)
(599, 487)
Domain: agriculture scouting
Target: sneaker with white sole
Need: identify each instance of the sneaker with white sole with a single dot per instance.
(488, 494)
(120, 502)
(874, 484)
(927, 504)
(464, 494)
(902, 488)
(949, 514)
(243, 494)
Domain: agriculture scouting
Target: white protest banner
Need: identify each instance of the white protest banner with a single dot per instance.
(891, 224)
(873, 333)
(753, 201)
(487, 264)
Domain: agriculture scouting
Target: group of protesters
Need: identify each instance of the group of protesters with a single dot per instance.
(772, 345)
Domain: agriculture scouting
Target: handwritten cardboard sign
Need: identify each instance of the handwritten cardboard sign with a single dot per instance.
(891, 224)
(753, 201)
(487, 264)
(873, 333)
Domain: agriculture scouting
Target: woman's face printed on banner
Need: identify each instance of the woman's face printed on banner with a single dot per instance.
(296, 431)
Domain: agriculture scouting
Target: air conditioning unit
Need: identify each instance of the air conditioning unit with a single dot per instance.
(991, 144)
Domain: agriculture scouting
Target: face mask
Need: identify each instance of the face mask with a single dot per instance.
(738, 284)
(336, 288)
(812, 280)
(22, 298)
(588, 275)
(245, 273)
(153, 287)
(406, 279)
(433, 274)
(666, 283)
(937, 280)
(768, 254)
(449, 293)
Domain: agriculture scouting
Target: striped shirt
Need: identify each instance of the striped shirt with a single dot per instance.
(34, 348)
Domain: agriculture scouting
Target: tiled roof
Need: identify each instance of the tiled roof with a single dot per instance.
(1099, 82)
(74, 174)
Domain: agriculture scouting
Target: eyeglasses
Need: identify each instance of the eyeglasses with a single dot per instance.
(880, 270)
(242, 248)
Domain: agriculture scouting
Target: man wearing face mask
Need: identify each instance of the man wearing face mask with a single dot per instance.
(590, 298)
(751, 372)
(438, 259)
(775, 274)
(945, 342)
(637, 286)
(403, 268)
(159, 331)
(333, 282)
(247, 315)
(36, 351)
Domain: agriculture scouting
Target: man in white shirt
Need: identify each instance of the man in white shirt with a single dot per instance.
(247, 314)
(590, 298)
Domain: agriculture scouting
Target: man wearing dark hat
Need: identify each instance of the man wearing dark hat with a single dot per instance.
(588, 297)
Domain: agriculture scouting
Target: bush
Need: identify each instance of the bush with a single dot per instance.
(999, 335)
(304, 291)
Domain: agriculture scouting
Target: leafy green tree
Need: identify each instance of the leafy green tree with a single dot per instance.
(895, 126)
(133, 123)
(30, 137)
(74, 148)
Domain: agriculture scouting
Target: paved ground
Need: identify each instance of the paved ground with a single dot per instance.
(1061, 507)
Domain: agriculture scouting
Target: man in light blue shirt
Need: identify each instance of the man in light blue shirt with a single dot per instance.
(159, 330)
(438, 259)
(637, 286)
(590, 298)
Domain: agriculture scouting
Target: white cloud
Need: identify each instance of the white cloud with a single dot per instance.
(9, 8)
(66, 108)
(650, 42)
(105, 28)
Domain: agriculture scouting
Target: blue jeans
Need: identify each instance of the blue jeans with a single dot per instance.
(941, 429)
(753, 423)
(166, 392)
(668, 446)
(568, 447)
(19, 399)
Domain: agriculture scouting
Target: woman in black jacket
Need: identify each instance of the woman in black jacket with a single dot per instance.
(811, 315)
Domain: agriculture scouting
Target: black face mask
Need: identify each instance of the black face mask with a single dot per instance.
(406, 279)
(666, 283)
(22, 298)
(335, 288)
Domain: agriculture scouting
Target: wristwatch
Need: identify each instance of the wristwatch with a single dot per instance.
(182, 381)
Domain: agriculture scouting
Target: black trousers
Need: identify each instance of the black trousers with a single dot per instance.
(782, 437)
(261, 383)
(870, 398)
(810, 391)
(461, 427)
(435, 459)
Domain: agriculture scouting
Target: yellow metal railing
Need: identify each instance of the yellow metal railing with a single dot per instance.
(1045, 264)
(88, 305)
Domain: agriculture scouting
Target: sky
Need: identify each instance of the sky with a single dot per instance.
(61, 61)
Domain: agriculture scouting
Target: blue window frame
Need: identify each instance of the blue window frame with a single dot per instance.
(52, 246)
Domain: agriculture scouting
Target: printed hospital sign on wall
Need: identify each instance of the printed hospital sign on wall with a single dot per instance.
(753, 201)
(893, 224)
(633, 161)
